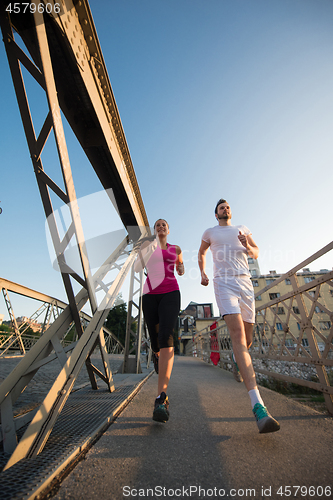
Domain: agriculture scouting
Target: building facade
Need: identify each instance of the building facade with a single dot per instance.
(281, 323)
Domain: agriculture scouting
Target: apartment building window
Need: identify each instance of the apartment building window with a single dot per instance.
(274, 295)
(280, 310)
(289, 343)
(255, 282)
(298, 326)
(331, 291)
(250, 260)
(253, 272)
(305, 343)
(318, 310)
(324, 325)
(259, 297)
(279, 326)
(296, 310)
(308, 279)
(269, 281)
(287, 281)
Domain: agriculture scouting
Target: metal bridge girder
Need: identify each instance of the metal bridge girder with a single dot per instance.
(45, 40)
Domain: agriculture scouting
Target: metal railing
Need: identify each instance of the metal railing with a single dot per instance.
(304, 356)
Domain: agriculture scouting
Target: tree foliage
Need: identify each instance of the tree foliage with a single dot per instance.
(116, 321)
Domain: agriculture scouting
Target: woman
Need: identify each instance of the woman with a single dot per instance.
(161, 305)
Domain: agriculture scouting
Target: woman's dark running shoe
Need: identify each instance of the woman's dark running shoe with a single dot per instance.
(155, 361)
(161, 412)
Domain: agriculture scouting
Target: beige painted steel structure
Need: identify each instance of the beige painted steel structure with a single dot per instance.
(51, 306)
(270, 344)
(65, 59)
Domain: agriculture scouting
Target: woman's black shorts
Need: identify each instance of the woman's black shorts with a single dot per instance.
(161, 309)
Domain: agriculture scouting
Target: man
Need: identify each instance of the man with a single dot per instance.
(230, 247)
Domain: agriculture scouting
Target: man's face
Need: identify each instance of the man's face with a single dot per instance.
(223, 211)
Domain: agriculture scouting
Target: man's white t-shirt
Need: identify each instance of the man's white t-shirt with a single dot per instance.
(229, 255)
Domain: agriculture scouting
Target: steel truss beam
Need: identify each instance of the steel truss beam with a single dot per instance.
(71, 79)
(16, 337)
(128, 366)
(52, 306)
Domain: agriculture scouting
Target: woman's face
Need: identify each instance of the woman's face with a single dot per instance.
(161, 227)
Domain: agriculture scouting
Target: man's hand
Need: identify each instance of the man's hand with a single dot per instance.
(243, 239)
(204, 279)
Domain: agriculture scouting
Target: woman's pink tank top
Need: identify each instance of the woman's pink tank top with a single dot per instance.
(161, 265)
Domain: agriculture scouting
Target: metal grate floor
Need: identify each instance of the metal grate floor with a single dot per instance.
(85, 414)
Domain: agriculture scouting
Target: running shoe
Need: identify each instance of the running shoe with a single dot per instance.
(161, 412)
(265, 421)
(235, 370)
(155, 361)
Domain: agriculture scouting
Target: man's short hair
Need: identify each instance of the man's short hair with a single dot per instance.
(219, 203)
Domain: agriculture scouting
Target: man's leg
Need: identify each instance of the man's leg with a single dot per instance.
(248, 333)
(241, 337)
(239, 340)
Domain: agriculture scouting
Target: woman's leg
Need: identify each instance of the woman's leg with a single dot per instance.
(165, 365)
(150, 311)
(168, 311)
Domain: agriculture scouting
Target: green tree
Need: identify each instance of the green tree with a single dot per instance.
(5, 328)
(116, 321)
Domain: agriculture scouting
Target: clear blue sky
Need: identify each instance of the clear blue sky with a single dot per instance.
(218, 98)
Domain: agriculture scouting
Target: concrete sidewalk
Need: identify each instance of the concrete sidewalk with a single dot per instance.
(210, 442)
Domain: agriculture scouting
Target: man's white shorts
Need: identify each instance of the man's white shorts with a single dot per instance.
(235, 296)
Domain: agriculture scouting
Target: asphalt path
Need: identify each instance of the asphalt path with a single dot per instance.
(210, 447)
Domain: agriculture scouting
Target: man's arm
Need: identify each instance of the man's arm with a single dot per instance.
(202, 262)
(249, 244)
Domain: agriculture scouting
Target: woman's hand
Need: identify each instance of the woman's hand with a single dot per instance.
(180, 268)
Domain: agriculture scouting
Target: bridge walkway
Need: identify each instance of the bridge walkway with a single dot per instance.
(210, 442)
